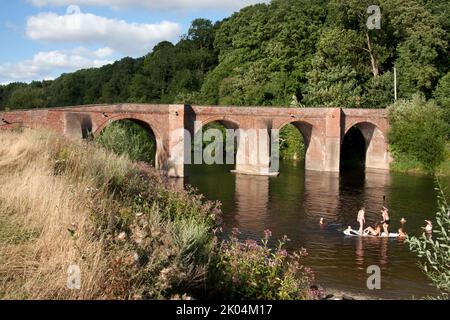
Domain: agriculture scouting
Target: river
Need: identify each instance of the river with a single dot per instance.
(293, 203)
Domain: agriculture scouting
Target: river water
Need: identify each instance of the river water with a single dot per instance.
(293, 203)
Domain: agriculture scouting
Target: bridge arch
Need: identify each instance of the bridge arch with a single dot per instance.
(313, 144)
(226, 121)
(150, 129)
(366, 143)
(229, 124)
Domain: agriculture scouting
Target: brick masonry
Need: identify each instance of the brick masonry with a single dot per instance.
(171, 126)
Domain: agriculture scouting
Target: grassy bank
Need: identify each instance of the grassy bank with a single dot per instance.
(132, 234)
(69, 203)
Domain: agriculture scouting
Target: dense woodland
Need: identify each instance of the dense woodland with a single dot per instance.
(290, 52)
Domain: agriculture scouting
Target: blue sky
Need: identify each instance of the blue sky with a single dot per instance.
(43, 38)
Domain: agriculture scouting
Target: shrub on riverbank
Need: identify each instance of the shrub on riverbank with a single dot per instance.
(418, 133)
(249, 270)
(435, 250)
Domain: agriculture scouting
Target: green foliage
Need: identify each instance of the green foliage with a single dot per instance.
(353, 66)
(292, 146)
(251, 271)
(435, 250)
(264, 52)
(128, 138)
(418, 131)
(26, 97)
(442, 96)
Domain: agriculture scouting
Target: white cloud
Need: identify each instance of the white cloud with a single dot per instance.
(127, 38)
(49, 64)
(154, 4)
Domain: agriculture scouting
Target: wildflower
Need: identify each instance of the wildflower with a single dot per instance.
(267, 234)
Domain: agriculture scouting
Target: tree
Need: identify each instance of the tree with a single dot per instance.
(2, 97)
(418, 131)
(334, 78)
(264, 53)
(421, 44)
(442, 96)
(410, 38)
(26, 98)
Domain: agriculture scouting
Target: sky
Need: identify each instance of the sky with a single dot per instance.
(41, 39)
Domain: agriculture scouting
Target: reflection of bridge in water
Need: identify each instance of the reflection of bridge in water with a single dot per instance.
(327, 132)
(317, 194)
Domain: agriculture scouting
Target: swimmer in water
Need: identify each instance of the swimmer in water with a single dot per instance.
(401, 234)
(429, 227)
(402, 220)
(322, 222)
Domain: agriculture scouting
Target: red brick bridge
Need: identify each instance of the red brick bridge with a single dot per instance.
(324, 130)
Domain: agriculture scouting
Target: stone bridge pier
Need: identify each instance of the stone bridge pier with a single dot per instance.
(174, 127)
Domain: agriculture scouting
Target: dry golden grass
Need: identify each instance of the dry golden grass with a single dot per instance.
(65, 203)
(37, 210)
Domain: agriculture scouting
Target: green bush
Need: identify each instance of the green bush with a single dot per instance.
(250, 271)
(418, 132)
(128, 138)
(435, 250)
(442, 96)
(292, 145)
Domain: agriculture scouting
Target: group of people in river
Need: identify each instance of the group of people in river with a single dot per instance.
(381, 228)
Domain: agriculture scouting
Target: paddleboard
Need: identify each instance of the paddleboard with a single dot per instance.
(355, 233)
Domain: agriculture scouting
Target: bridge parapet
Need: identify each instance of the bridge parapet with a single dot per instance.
(173, 128)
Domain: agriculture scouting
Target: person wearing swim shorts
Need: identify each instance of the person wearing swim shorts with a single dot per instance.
(386, 220)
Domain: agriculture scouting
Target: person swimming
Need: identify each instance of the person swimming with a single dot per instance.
(429, 227)
(322, 221)
(402, 220)
(401, 234)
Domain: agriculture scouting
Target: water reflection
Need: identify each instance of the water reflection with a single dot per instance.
(294, 202)
(251, 192)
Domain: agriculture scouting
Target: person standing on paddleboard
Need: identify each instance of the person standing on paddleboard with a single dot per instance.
(386, 220)
(361, 219)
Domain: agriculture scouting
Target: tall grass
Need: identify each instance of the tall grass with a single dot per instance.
(66, 203)
(130, 231)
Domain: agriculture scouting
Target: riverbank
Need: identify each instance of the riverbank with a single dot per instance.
(124, 233)
(411, 166)
(78, 222)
